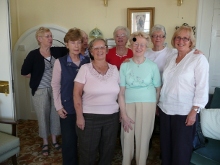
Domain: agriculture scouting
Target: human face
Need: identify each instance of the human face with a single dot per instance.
(139, 47)
(182, 41)
(158, 39)
(74, 47)
(121, 38)
(46, 39)
(85, 41)
(99, 50)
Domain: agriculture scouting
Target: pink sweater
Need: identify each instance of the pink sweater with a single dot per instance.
(100, 92)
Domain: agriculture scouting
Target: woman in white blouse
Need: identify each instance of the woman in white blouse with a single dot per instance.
(184, 91)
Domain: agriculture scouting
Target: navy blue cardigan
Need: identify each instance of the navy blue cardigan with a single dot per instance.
(34, 65)
(68, 73)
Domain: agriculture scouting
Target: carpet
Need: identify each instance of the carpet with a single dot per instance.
(30, 149)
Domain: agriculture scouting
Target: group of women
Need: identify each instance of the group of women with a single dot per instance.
(88, 94)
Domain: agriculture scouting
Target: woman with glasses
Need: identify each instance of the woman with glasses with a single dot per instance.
(120, 52)
(64, 73)
(159, 53)
(139, 92)
(184, 92)
(38, 66)
(96, 91)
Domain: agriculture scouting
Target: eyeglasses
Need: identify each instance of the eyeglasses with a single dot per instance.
(99, 48)
(120, 35)
(137, 45)
(48, 36)
(158, 36)
(184, 39)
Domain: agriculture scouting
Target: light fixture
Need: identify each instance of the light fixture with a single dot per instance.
(105, 3)
(95, 33)
(179, 2)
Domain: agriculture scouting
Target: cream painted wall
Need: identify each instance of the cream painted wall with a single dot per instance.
(88, 14)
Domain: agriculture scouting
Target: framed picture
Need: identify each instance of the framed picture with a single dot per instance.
(140, 19)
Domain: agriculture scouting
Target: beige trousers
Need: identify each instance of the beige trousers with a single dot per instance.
(143, 114)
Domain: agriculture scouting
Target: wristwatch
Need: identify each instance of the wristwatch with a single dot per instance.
(196, 109)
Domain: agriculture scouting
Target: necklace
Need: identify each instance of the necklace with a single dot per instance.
(121, 52)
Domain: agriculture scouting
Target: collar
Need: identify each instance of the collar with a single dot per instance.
(81, 57)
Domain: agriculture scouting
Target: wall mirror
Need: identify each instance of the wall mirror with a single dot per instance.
(140, 19)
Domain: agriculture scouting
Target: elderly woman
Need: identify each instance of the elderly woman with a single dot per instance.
(159, 53)
(38, 67)
(84, 49)
(95, 99)
(139, 91)
(184, 92)
(64, 73)
(119, 53)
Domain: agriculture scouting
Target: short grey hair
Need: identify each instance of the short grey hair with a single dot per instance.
(127, 31)
(158, 28)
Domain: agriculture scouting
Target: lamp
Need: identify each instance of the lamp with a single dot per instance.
(95, 33)
(105, 3)
(179, 2)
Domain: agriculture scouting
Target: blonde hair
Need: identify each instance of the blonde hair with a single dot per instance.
(40, 32)
(191, 35)
(139, 34)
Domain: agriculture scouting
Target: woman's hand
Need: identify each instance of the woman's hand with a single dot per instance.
(62, 113)
(126, 60)
(191, 118)
(126, 122)
(197, 51)
(80, 122)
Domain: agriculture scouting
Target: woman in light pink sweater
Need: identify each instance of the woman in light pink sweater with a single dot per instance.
(96, 91)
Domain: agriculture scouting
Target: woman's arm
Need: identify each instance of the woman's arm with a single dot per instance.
(158, 93)
(77, 98)
(55, 83)
(126, 121)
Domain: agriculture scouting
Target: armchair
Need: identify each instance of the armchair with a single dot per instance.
(9, 143)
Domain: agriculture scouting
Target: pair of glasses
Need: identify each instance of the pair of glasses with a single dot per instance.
(184, 39)
(120, 35)
(136, 45)
(99, 48)
(48, 36)
(158, 36)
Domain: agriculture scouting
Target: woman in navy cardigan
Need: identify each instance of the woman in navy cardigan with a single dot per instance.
(38, 66)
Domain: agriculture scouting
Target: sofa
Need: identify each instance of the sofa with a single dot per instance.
(9, 143)
(210, 124)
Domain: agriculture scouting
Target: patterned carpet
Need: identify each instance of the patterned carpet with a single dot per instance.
(30, 150)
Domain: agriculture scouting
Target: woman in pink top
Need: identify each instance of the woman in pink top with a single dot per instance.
(96, 91)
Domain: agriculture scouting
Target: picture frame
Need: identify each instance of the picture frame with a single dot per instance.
(140, 19)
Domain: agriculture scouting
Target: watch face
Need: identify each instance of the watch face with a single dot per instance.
(196, 109)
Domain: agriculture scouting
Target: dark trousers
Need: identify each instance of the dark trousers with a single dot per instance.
(175, 139)
(69, 140)
(98, 136)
